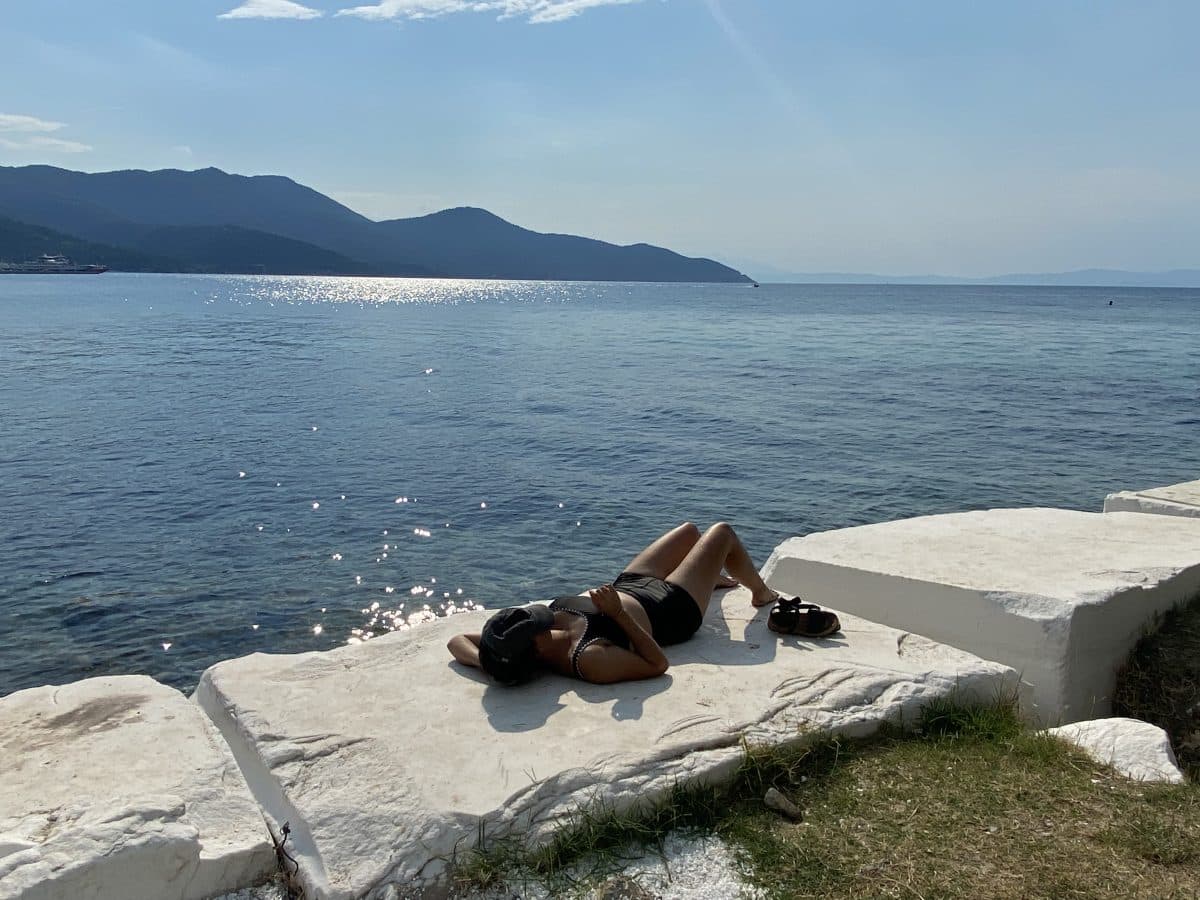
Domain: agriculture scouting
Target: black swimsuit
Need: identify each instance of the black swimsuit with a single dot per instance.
(674, 616)
(598, 627)
(673, 613)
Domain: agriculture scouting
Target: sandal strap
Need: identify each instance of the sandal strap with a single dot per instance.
(793, 605)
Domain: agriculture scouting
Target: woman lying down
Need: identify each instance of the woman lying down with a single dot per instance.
(618, 631)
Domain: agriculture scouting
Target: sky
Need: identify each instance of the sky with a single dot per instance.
(792, 136)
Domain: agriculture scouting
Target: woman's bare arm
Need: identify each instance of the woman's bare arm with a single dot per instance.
(643, 648)
(602, 663)
(465, 648)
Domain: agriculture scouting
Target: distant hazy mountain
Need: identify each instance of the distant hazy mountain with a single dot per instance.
(130, 209)
(109, 205)
(1184, 278)
(1105, 278)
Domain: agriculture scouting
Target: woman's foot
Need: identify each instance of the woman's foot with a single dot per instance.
(724, 581)
(765, 597)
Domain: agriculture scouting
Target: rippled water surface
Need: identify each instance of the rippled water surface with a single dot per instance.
(193, 468)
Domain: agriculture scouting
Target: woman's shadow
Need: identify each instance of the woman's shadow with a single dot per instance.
(529, 707)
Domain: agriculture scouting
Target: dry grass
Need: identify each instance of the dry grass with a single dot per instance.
(965, 815)
(1161, 683)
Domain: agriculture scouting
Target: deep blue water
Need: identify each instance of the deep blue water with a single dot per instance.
(374, 419)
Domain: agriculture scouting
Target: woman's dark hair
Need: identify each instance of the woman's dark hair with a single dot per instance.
(506, 649)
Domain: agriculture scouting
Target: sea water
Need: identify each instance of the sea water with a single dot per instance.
(198, 467)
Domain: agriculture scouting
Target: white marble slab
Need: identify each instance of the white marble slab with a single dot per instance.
(386, 756)
(1059, 595)
(120, 789)
(1173, 500)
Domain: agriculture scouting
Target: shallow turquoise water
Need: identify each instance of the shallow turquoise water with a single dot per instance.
(199, 467)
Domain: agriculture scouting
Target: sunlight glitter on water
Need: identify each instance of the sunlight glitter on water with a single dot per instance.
(384, 621)
(366, 292)
(426, 600)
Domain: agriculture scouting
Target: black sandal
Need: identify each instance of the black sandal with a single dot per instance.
(794, 616)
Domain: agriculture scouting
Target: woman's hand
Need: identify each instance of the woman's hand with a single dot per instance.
(607, 600)
(605, 663)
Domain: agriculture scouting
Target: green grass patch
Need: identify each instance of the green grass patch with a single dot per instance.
(1160, 683)
(970, 806)
(975, 815)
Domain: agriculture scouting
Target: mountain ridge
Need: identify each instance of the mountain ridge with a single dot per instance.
(115, 208)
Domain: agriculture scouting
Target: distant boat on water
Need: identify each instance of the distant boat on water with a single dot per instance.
(49, 264)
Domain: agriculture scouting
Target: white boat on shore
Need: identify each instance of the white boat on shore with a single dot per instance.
(50, 264)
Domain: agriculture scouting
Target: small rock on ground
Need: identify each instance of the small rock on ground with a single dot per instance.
(776, 801)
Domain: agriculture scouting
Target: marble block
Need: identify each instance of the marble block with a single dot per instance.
(387, 757)
(1173, 500)
(1061, 596)
(120, 789)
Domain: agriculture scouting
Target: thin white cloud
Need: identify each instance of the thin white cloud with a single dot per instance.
(560, 10)
(40, 142)
(533, 11)
(27, 124)
(30, 133)
(272, 9)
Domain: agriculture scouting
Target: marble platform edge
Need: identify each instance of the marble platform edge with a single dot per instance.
(1181, 499)
(788, 724)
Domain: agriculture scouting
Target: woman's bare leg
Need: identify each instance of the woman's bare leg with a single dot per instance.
(662, 557)
(719, 548)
